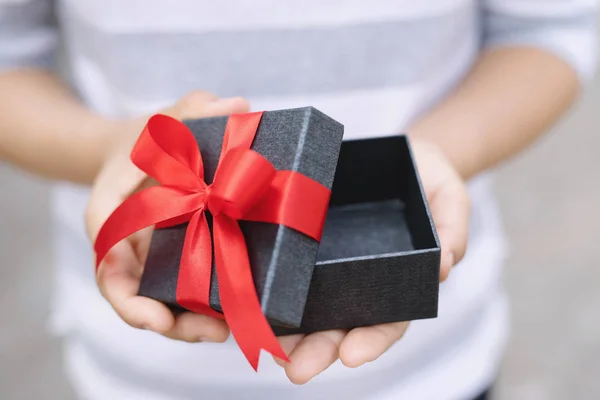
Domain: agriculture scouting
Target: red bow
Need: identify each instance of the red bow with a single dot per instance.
(246, 186)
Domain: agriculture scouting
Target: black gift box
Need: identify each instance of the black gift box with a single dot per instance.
(379, 258)
(303, 140)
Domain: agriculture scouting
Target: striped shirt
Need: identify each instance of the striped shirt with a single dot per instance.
(375, 66)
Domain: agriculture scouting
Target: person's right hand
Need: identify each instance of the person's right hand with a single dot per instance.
(449, 203)
(119, 274)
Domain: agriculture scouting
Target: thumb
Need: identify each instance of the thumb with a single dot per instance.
(450, 209)
(448, 201)
(199, 104)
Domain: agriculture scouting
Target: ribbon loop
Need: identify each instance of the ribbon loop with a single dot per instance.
(167, 151)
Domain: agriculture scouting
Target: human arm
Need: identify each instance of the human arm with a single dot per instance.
(536, 58)
(46, 130)
(511, 98)
(43, 127)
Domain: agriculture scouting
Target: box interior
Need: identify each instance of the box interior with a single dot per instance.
(377, 206)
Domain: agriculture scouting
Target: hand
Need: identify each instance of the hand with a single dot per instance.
(449, 203)
(119, 274)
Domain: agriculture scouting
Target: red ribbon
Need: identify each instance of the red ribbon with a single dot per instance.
(245, 187)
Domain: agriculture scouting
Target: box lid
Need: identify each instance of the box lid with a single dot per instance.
(303, 140)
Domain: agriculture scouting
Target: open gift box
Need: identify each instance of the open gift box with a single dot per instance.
(378, 259)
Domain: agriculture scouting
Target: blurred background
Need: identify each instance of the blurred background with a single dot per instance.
(550, 197)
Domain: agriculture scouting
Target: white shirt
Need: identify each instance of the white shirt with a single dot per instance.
(374, 66)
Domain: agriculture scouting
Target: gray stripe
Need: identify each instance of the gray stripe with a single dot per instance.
(41, 60)
(27, 27)
(26, 16)
(499, 27)
(280, 62)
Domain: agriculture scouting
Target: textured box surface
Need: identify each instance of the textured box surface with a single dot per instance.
(303, 140)
(379, 257)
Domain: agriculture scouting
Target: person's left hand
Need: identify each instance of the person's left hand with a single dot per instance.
(449, 203)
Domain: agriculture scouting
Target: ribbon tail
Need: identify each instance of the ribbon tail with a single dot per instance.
(193, 281)
(239, 299)
(141, 210)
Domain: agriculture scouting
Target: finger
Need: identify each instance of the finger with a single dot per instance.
(192, 328)
(194, 100)
(200, 104)
(313, 355)
(288, 344)
(363, 345)
(450, 209)
(118, 280)
(219, 107)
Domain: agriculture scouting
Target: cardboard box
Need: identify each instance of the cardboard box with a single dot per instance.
(379, 258)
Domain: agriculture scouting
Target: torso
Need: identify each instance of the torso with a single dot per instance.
(374, 66)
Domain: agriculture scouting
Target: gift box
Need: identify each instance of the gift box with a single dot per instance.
(251, 222)
(282, 259)
(379, 257)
